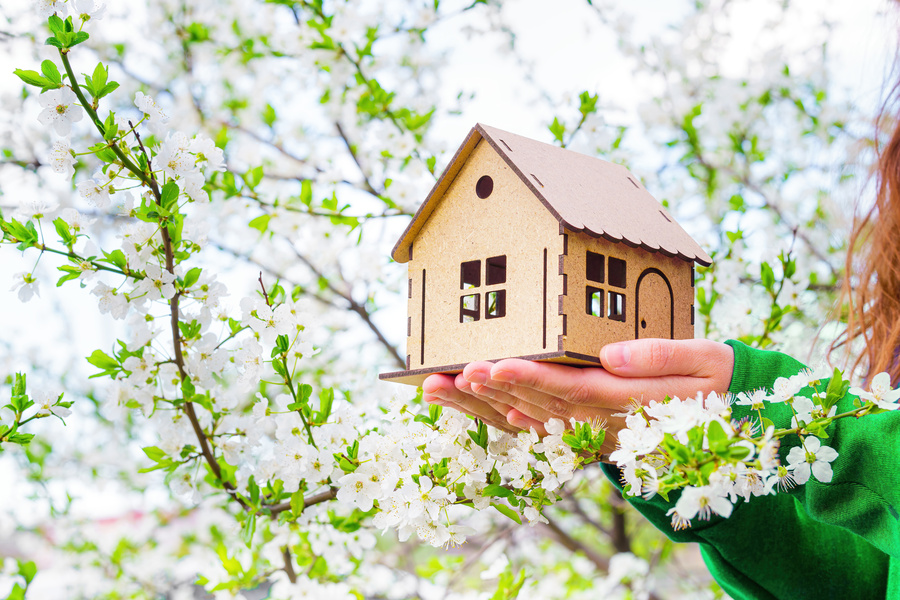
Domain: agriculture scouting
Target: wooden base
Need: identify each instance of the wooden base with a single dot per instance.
(417, 376)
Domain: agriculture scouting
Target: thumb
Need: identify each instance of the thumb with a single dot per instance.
(660, 357)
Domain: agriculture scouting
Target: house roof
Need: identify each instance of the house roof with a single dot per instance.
(584, 193)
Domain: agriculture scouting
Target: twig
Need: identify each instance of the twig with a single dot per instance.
(359, 309)
(289, 564)
(368, 184)
(263, 288)
(574, 545)
(329, 494)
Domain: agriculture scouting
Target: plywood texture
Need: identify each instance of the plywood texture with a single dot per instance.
(647, 302)
(462, 227)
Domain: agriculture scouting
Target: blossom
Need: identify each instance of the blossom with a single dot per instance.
(110, 301)
(156, 118)
(207, 151)
(881, 393)
(61, 109)
(174, 155)
(61, 159)
(813, 457)
(87, 10)
(47, 405)
(754, 399)
(27, 286)
(784, 389)
(360, 488)
(95, 192)
(703, 501)
(157, 283)
(48, 7)
(635, 440)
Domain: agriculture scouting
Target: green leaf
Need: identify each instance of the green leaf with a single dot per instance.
(253, 177)
(52, 41)
(326, 399)
(62, 230)
(192, 276)
(249, 529)
(56, 24)
(80, 36)
(110, 127)
(98, 79)
(108, 89)
(169, 195)
(48, 68)
(495, 490)
(767, 276)
(101, 360)
(306, 192)
(32, 78)
(28, 570)
(558, 130)
(268, 115)
(718, 439)
(505, 510)
(154, 453)
(297, 503)
(260, 223)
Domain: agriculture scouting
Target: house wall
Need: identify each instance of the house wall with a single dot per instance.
(509, 222)
(587, 334)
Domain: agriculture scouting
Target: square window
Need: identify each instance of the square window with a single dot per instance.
(496, 270)
(594, 305)
(469, 309)
(617, 272)
(616, 306)
(470, 275)
(594, 267)
(495, 304)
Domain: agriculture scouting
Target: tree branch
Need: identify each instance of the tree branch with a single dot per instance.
(574, 545)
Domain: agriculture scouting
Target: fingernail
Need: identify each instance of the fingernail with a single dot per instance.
(617, 355)
(476, 377)
(503, 376)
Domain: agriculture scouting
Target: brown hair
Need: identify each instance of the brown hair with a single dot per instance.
(872, 294)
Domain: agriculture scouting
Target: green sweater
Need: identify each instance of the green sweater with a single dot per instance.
(819, 541)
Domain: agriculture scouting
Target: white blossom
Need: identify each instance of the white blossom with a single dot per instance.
(61, 109)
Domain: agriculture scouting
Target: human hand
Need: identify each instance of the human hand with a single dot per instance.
(515, 394)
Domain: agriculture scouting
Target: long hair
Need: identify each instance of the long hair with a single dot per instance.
(871, 286)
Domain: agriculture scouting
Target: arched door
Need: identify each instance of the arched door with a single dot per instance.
(654, 308)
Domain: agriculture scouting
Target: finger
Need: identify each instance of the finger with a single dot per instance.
(522, 421)
(537, 406)
(490, 411)
(555, 386)
(443, 390)
(658, 357)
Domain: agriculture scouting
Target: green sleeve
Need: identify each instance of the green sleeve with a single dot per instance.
(831, 540)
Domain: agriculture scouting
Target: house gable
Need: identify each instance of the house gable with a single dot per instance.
(459, 305)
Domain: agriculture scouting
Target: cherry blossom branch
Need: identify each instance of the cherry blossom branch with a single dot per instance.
(329, 494)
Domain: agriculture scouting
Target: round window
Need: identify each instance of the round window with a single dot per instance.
(484, 187)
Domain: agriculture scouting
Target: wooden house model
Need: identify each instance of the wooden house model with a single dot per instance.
(523, 249)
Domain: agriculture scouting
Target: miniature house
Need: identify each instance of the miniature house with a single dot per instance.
(527, 250)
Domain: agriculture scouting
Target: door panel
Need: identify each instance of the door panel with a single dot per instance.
(654, 316)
